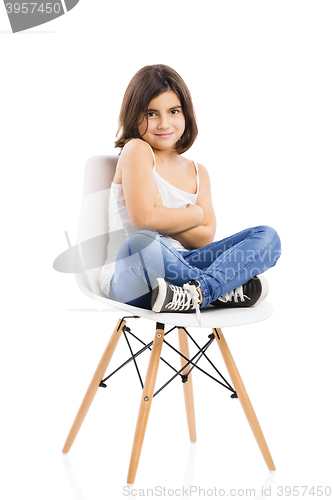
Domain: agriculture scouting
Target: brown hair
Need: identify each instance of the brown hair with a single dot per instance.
(148, 83)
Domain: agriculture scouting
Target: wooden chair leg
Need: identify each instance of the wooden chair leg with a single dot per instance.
(243, 398)
(146, 399)
(188, 387)
(94, 384)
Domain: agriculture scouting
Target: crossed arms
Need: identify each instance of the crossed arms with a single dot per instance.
(193, 226)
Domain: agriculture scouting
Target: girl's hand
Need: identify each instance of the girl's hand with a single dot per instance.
(158, 199)
(122, 194)
(199, 211)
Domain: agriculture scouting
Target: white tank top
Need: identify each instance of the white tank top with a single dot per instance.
(120, 226)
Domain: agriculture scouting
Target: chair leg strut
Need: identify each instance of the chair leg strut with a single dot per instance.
(188, 387)
(146, 399)
(243, 398)
(94, 384)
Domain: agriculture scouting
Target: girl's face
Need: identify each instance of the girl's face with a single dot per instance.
(165, 121)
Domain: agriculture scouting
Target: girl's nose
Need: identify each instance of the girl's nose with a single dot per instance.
(163, 122)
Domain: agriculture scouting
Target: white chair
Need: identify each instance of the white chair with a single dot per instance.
(88, 256)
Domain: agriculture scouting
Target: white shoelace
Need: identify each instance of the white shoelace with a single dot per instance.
(238, 292)
(183, 298)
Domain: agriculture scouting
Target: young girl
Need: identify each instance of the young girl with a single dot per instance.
(161, 252)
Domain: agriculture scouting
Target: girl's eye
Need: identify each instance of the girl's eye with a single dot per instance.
(150, 114)
(175, 111)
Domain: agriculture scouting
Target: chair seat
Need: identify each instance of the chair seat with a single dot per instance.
(210, 317)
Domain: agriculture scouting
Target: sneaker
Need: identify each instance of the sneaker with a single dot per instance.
(172, 298)
(248, 295)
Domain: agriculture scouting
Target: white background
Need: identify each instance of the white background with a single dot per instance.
(261, 78)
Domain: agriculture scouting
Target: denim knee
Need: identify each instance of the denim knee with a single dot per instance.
(267, 231)
(147, 251)
(141, 240)
(273, 236)
(273, 241)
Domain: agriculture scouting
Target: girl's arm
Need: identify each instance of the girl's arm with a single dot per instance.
(204, 233)
(136, 163)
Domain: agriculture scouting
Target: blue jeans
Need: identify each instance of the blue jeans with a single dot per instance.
(219, 267)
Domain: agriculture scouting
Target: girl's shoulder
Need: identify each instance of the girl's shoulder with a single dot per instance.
(136, 149)
(136, 145)
(202, 170)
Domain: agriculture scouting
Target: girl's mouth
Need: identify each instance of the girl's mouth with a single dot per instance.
(164, 136)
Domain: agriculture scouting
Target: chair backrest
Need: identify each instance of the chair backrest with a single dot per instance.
(93, 231)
